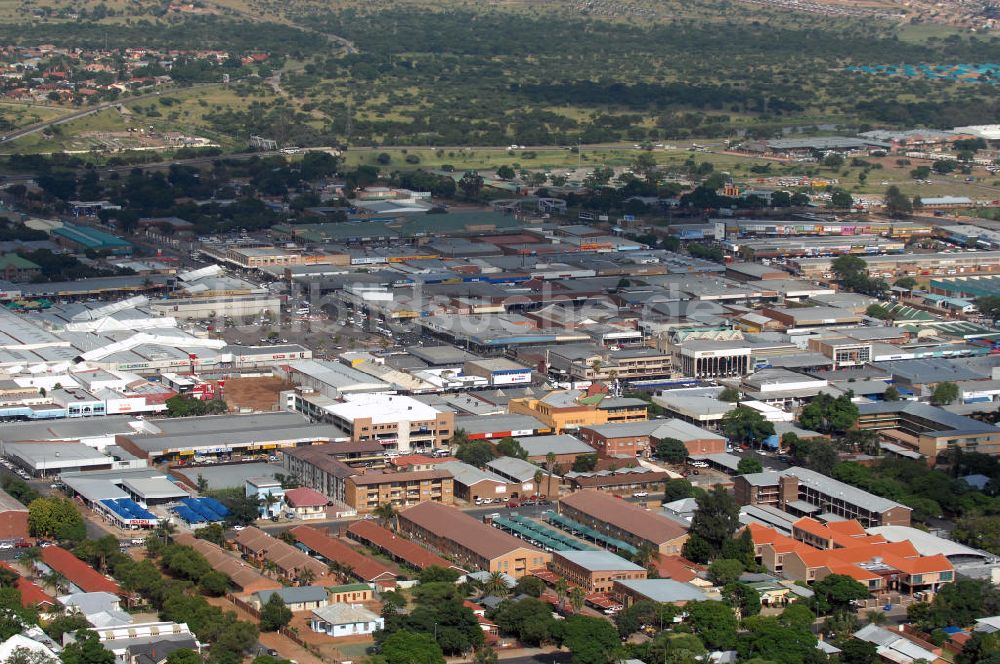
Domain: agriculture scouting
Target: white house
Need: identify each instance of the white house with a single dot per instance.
(345, 620)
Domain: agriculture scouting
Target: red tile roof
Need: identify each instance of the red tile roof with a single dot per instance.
(400, 547)
(31, 593)
(305, 497)
(78, 572)
(363, 567)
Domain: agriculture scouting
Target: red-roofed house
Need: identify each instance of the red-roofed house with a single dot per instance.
(333, 550)
(80, 576)
(306, 503)
(31, 593)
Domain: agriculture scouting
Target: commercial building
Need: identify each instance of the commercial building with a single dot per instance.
(594, 571)
(402, 489)
(564, 446)
(623, 520)
(572, 409)
(909, 264)
(45, 459)
(498, 371)
(808, 317)
(469, 541)
(396, 422)
(15, 268)
(640, 438)
(714, 359)
(805, 492)
(932, 431)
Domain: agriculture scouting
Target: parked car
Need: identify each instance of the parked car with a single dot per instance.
(640, 494)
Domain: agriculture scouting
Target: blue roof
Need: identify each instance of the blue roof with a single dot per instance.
(128, 509)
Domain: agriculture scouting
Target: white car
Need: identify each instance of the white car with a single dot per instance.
(640, 494)
(238, 528)
(6, 545)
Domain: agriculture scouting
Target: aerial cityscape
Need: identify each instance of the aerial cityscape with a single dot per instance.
(564, 332)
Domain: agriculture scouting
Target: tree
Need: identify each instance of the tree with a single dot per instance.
(676, 489)
(744, 599)
(897, 205)
(530, 620)
(550, 462)
(505, 172)
(909, 283)
(989, 306)
(60, 625)
(830, 415)
(184, 656)
(746, 425)
(671, 450)
(86, 649)
(714, 522)
(724, 571)
(476, 453)
(856, 651)
(406, 647)
(486, 655)
(23, 655)
(841, 199)
(591, 640)
(496, 585)
(530, 585)
(749, 465)
(437, 574)
(878, 311)
(891, 393)
(577, 597)
(56, 518)
(584, 463)
(274, 614)
(944, 394)
(508, 446)
(714, 622)
(215, 583)
(471, 184)
(729, 394)
(835, 592)
(981, 532)
(202, 486)
(386, 514)
(771, 640)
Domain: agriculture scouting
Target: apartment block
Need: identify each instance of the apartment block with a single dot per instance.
(366, 492)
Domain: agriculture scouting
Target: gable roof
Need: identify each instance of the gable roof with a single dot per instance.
(294, 595)
(78, 572)
(625, 516)
(305, 497)
(240, 573)
(363, 567)
(399, 547)
(282, 554)
(457, 526)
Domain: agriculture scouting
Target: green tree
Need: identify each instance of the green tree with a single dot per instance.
(743, 598)
(184, 656)
(584, 463)
(508, 446)
(729, 394)
(724, 571)
(988, 305)
(944, 394)
(981, 532)
(471, 184)
(274, 614)
(476, 453)
(406, 647)
(715, 521)
(437, 574)
(590, 640)
(746, 425)
(749, 465)
(771, 640)
(86, 649)
(56, 518)
(856, 651)
(676, 489)
(714, 622)
(530, 585)
(671, 450)
(530, 620)
(386, 514)
(897, 205)
(841, 199)
(505, 172)
(835, 592)
(908, 283)
(830, 415)
(891, 393)
(214, 583)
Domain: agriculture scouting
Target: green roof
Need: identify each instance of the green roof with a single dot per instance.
(18, 261)
(349, 587)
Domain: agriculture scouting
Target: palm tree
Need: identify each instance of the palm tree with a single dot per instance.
(496, 585)
(386, 515)
(306, 577)
(550, 460)
(270, 566)
(576, 597)
(562, 587)
(31, 557)
(539, 475)
(875, 617)
(54, 579)
(644, 555)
